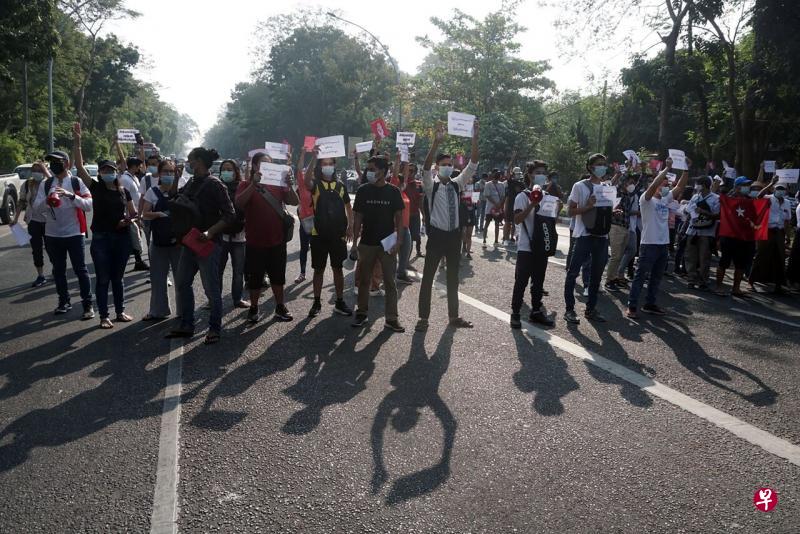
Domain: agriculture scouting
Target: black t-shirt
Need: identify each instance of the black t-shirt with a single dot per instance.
(377, 205)
(108, 209)
(513, 188)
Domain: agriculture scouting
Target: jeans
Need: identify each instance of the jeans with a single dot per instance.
(188, 266)
(404, 254)
(594, 248)
(586, 267)
(529, 267)
(57, 249)
(440, 245)
(236, 252)
(110, 252)
(162, 259)
(36, 231)
(305, 243)
(367, 257)
(652, 262)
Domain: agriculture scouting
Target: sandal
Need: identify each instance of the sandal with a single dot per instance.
(211, 338)
(124, 318)
(152, 318)
(180, 333)
(106, 324)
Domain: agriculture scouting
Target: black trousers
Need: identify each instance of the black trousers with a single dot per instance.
(530, 268)
(440, 245)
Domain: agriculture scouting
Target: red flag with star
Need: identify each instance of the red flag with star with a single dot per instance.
(744, 218)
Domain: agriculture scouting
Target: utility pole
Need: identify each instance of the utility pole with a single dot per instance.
(25, 94)
(602, 118)
(50, 140)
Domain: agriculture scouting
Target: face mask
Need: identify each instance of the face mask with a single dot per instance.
(780, 193)
(753, 194)
(227, 176)
(445, 171)
(631, 188)
(188, 168)
(57, 167)
(745, 190)
(152, 169)
(328, 170)
(698, 189)
(38, 176)
(372, 177)
(665, 191)
(167, 179)
(108, 177)
(539, 179)
(600, 171)
(518, 175)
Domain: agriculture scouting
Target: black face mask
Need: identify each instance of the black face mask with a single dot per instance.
(57, 166)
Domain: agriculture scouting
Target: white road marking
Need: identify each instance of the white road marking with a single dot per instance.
(766, 317)
(165, 498)
(760, 438)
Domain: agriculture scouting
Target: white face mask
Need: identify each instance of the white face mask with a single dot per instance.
(539, 179)
(445, 171)
(631, 188)
(665, 191)
(372, 177)
(328, 170)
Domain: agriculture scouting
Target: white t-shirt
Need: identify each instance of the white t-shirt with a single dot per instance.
(655, 219)
(580, 196)
(494, 191)
(797, 213)
(154, 181)
(131, 185)
(521, 203)
(779, 212)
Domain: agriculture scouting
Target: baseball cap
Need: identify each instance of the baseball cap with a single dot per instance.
(780, 186)
(106, 163)
(742, 180)
(57, 154)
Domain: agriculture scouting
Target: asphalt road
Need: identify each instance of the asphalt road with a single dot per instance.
(664, 425)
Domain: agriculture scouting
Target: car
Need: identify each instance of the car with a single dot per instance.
(10, 185)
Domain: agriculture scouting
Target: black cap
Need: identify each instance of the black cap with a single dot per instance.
(57, 154)
(133, 160)
(106, 163)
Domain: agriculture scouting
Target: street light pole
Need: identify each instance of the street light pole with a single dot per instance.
(391, 59)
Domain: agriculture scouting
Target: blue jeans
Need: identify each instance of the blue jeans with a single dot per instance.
(481, 214)
(586, 247)
(188, 266)
(652, 263)
(110, 252)
(404, 254)
(57, 249)
(236, 252)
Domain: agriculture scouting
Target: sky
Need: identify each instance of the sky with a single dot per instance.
(197, 74)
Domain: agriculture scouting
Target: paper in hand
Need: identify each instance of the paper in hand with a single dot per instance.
(548, 206)
(678, 159)
(389, 241)
(406, 139)
(787, 176)
(460, 124)
(127, 136)
(605, 195)
(366, 146)
(277, 150)
(21, 236)
(273, 173)
(769, 166)
(632, 156)
(331, 147)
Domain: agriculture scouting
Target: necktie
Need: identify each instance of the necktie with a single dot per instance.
(451, 201)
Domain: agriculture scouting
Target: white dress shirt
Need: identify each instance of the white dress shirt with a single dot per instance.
(446, 197)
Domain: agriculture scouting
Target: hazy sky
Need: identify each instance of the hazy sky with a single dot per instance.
(197, 50)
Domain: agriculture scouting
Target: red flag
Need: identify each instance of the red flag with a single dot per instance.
(306, 200)
(744, 218)
(379, 128)
(308, 143)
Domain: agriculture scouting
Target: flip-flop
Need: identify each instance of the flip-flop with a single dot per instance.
(152, 318)
(106, 324)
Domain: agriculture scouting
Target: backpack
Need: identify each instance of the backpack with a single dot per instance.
(597, 220)
(701, 222)
(76, 188)
(330, 217)
(429, 205)
(161, 228)
(184, 210)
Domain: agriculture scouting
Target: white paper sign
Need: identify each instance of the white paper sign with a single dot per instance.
(605, 195)
(632, 156)
(273, 173)
(366, 146)
(671, 176)
(548, 206)
(389, 241)
(476, 197)
(787, 176)
(623, 169)
(331, 147)
(127, 136)
(617, 201)
(255, 151)
(21, 235)
(406, 138)
(730, 172)
(678, 159)
(403, 154)
(769, 166)
(277, 150)
(460, 124)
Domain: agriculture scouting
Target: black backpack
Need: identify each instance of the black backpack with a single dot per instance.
(184, 210)
(161, 228)
(429, 207)
(597, 220)
(330, 217)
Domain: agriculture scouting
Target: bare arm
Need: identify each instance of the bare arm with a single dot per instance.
(437, 138)
(474, 153)
(357, 218)
(148, 214)
(657, 181)
(77, 155)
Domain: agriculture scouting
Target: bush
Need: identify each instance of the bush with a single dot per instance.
(16, 149)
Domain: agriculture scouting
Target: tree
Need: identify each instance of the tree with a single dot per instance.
(29, 33)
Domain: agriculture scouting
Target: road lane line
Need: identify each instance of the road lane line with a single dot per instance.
(760, 438)
(164, 518)
(766, 317)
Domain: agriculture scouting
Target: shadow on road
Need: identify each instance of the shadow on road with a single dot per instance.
(544, 373)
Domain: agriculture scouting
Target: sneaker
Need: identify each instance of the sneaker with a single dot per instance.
(653, 309)
(691, 286)
(571, 317)
(630, 313)
(611, 286)
(516, 322)
(394, 326)
(592, 315)
(586, 292)
(422, 325)
(252, 315)
(376, 292)
(406, 280)
(282, 313)
(88, 313)
(458, 322)
(360, 320)
(300, 279)
(63, 308)
(141, 266)
(242, 304)
(315, 308)
(39, 282)
(540, 318)
(342, 308)
(468, 256)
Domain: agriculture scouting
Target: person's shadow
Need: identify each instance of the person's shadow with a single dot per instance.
(544, 373)
(416, 386)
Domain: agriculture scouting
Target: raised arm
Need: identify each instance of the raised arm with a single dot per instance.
(438, 136)
(77, 155)
(677, 191)
(658, 180)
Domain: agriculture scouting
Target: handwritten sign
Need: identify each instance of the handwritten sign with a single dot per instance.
(331, 147)
(548, 206)
(632, 156)
(460, 124)
(366, 146)
(379, 128)
(406, 139)
(256, 151)
(769, 166)
(403, 154)
(787, 176)
(277, 150)
(671, 176)
(605, 195)
(678, 159)
(273, 174)
(127, 136)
